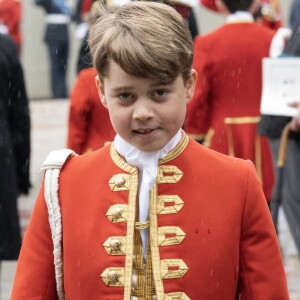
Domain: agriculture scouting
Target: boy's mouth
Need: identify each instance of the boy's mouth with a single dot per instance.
(143, 131)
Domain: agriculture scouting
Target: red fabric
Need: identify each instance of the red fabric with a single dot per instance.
(230, 247)
(229, 64)
(86, 6)
(183, 10)
(273, 25)
(89, 123)
(211, 4)
(10, 13)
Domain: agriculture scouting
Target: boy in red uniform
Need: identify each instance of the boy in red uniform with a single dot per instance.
(226, 104)
(89, 124)
(155, 215)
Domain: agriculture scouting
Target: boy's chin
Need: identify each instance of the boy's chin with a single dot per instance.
(150, 147)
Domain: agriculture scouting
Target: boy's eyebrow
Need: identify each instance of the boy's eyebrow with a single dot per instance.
(160, 83)
(127, 88)
(122, 88)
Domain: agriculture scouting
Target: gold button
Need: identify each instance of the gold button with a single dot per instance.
(117, 213)
(115, 245)
(113, 276)
(119, 182)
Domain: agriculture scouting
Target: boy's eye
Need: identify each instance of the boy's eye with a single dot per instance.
(125, 96)
(161, 93)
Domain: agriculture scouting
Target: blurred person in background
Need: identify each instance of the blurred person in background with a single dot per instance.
(58, 17)
(272, 127)
(89, 124)
(14, 146)
(266, 12)
(226, 105)
(10, 16)
(84, 9)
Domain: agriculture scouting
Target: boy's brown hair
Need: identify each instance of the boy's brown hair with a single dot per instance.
(146, 39)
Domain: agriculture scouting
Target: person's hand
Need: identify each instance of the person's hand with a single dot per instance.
(295, 122)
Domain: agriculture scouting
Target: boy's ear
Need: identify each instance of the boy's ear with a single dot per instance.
(190, 86)
(100, 88)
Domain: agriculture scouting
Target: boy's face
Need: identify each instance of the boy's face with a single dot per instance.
(145, 113)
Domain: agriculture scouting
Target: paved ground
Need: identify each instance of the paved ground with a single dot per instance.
(49, 123)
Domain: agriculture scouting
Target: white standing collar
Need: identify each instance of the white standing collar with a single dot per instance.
(132, 154)
(240, 17)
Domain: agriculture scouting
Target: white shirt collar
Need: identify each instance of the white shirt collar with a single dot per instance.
(132, 154)
(239, 17)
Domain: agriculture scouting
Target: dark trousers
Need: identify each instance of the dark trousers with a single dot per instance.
(290, 189)
(58, 51)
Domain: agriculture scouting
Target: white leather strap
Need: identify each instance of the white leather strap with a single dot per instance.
(52, 165)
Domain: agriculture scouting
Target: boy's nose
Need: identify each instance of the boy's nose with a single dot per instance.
(143, 112)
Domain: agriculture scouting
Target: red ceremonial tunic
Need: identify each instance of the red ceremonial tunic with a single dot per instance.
(229, 64)
(10, 13)
(89, 123)
(211, 233)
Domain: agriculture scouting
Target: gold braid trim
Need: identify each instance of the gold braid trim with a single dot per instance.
(182, 268)
(258, 164)
(231, 152)
(139, 265)
(141, 226)
(242, 120)
(153, 237)
(230, 141)
(120, 161)
(208, 137)
(134, 292)
(176, 296)
(177, 150)
(197, 137)
(133, 189)
(177, 235)
(240, 21)
(149, 275)
(130, 234)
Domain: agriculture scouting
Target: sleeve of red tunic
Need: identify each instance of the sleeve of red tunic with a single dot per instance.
(16, 16)
(261, 272)
(79, 113)
(35, 276)
(198, 110)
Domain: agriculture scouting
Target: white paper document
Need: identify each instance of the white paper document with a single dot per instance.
(281, 85)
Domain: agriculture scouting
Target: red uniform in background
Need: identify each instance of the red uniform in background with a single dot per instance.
(89, 123)
(211, 4)
(10, 15)
(270, 9)
(229, 64)
(271, 13)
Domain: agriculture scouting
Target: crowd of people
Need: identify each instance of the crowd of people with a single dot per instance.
(167, 188)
